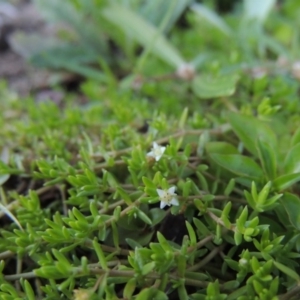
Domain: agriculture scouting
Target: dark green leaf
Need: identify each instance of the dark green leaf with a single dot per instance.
(156, 215)
(249, 129)
(267, 158)
(292, 161)
(220, 148)
(143, 216)
(285, 181)
(287, 270)
(291, 204)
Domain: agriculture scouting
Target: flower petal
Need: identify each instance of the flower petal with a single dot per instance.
(151, 153)
(163, 204)
(155, 145)
(161, 193)
(171, 190)
(174, 201)
(157, 157)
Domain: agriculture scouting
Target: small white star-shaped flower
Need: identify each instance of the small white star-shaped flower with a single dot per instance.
(167, 197)
(157, 151)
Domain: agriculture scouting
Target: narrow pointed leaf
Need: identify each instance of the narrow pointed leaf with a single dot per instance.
(285, 181)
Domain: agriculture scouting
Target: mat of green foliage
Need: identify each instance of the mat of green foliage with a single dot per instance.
(168, 178)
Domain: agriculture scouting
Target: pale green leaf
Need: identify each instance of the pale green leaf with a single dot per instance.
(210, 16)
(258, 9)
(11, 216)
(144, 33)
(155, 10)
(208, 86)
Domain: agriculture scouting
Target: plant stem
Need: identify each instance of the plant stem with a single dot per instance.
(200, 244)
(219, 221)
(6, 254)
(293, 292)
(206, 260)
(180, 133)
(113, 273)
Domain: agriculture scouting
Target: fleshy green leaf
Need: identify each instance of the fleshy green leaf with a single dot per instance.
(129, 288)
(146, 293)
(143, 216)
(192, 233)
(285, 181)
(287, 270)
(29, 291)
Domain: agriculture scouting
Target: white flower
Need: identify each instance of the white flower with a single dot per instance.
(157, 151)
(167, 197)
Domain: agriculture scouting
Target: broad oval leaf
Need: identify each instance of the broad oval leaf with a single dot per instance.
(291, 204)
(207, 87)
(220, 148)
(292, 160)
(156, 215)
(249, 129)
(238, 164)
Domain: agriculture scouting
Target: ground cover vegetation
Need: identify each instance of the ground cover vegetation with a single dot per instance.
(175, 173)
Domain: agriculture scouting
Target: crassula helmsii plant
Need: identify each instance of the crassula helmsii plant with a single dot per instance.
(110, 200)
(155, 193)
